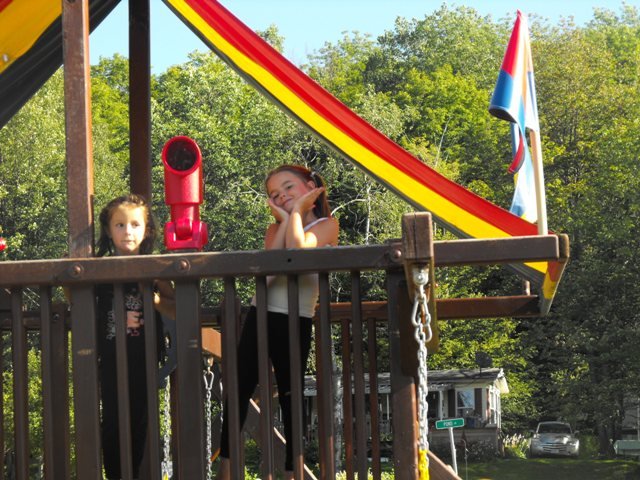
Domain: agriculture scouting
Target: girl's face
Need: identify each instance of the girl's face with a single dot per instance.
(285, 187)
(127, 228)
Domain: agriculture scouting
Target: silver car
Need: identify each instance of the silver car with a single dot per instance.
(554, 438)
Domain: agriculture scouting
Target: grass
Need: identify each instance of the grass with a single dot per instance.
(550, 469)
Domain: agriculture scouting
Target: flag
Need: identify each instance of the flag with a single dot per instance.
(514, 100)
(524, 197)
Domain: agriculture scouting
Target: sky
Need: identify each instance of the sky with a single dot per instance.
(307, 25)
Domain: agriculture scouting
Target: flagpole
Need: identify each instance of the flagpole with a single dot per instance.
(538, 175)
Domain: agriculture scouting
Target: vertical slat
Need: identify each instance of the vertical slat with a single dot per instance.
(77, 93)
(189, 376)
(85, 383)
(296, 377)
(325, 383)
(372, 355)
(347, 398)
(151, 360)
(55, 389)
(358, 371)
(124, 414)
(266, 420)
(403, 391)
(20, 386)
(140, 97)
(230, 377)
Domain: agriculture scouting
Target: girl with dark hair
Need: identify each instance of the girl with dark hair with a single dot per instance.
(298, 202)
(126, 228)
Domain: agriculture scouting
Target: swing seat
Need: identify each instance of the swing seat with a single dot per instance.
(212, 343)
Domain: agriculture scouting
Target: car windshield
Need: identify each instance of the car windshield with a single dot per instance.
(554, 428)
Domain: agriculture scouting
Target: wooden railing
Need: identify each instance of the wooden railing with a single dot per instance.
(188, 427)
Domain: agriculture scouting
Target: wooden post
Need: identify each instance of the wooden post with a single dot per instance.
(140, 98)
(77, 95)
(403, 393)
(190, 431)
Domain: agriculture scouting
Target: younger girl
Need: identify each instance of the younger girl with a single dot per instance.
(298, 202)
(126, 228)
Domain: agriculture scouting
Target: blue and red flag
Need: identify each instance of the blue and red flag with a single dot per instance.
(514, 100)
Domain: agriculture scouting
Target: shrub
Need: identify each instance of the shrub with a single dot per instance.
(515, 446)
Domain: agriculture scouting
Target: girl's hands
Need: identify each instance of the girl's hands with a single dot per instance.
(279, 213)
(306, 201)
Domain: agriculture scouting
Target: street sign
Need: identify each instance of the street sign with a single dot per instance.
(450, 423)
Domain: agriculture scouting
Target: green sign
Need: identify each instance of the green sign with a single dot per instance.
(450, 423)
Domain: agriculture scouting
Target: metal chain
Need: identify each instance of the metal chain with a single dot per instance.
(421, 320)
(167, 464)
(208, 386)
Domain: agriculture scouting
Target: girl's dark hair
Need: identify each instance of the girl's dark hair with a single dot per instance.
(104, 245)
(321, 206)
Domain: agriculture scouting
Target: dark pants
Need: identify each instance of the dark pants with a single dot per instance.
(137, 405)
(278, 331)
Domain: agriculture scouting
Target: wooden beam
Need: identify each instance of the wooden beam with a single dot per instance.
(516, 306)
(271, 262)
(438, 470)
(403, 392)
(140, 98)
(496, 250)
(77, 96)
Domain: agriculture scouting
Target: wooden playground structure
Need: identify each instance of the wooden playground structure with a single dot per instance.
(69, 332)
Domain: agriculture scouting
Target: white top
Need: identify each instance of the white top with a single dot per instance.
(308, 291)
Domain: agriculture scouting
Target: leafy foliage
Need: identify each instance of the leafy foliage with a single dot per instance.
(426, 84)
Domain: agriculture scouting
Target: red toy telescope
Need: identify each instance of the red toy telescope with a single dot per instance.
(183, 193)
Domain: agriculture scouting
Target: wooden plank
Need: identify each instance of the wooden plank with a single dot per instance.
(20, 387)
(140, 97)
(152, 456)
(403, 392)
(75, 45)
(496, 250)
(122, 369)
(358, 374)
(230, 375)
(347, 398)
(324, 362)
(85, 383)
(190, 411)
(55, 389)
(438, 470)
(77, 96)
(296, 377)
(376, 468)
(261, 262)
(516, 306)
(267, 467)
